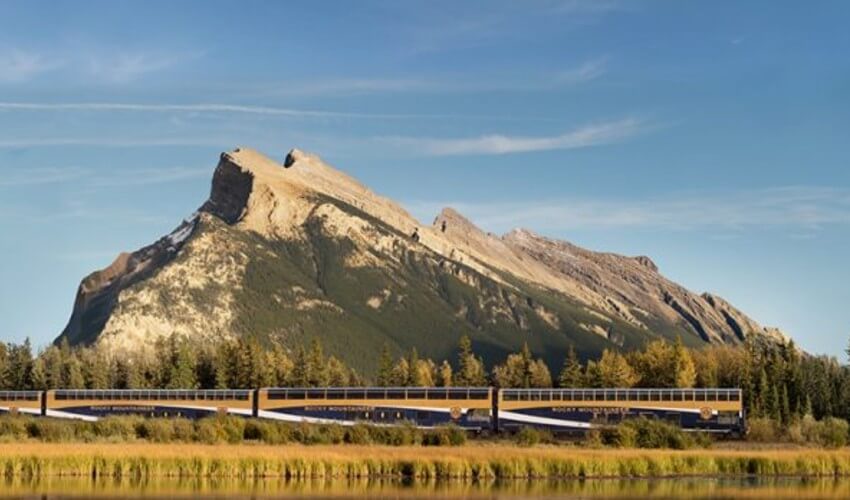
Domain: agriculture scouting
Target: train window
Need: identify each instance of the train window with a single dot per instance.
(735, 396)
(336, 394)
(510, 396)
(479, 393)
(315, 394)
(643, 396)
(688, 395)
(458, 393)
(295, 395)
(723, 396)
(655, 396)
(416, 394)
(355, 394)
(578, 396)
(567, 395)
(436, 394)
(395, 393)
(376, 394)
(700, 396)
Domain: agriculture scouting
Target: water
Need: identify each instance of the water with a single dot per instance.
(691, 488)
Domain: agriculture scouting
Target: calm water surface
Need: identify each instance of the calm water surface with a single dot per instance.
(698, 488)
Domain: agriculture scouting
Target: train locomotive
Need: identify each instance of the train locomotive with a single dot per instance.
(478, 409)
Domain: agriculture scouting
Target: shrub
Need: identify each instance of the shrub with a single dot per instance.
(158, 430)
(234, 428)
(762, 430)
(831, 432)
(183, 430)
(650, 433)
(622, 436)
(14, 427)
(447, 435)
(52, 431)
(594, 439)
(117, 428)
(358, 434)
(210, 431)
(527, 436)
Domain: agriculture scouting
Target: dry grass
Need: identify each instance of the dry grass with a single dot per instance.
(468, 462)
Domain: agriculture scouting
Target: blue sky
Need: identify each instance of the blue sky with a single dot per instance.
(712, 136)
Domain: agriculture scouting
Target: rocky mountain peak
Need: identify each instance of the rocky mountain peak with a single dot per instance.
(647, 263)
(296, 247)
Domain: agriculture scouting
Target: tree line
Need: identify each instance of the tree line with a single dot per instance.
(778, 380)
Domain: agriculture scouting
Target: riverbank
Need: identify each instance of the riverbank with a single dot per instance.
(473, 462)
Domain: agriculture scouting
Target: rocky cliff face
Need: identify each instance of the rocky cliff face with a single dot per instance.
(299, 249)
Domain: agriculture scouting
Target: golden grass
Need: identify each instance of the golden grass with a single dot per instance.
(351, 461)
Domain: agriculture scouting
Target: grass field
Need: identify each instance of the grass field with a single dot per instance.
(474, 462)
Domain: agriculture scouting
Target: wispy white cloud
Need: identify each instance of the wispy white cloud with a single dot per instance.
(590, 70)
(444, 84)
(587, 136)
(18, 65)
(203, 108)
(108, 142)
(124, 67)
(803, 209)
(37, 176)
(127, 177)
(146, 176)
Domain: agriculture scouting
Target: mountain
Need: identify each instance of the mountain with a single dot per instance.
(299, 250)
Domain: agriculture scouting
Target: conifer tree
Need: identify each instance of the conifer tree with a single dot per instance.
(683, 366)
(72, 372)
(18, 372)
(612, 370)
(300, 369)
(571, 374)
(40, 380)
(470, 368)
(444, 375)
(385, 367)
(318, 372)
(414, 378)
(4, 361)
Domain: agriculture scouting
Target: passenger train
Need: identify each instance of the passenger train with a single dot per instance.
(482, 409)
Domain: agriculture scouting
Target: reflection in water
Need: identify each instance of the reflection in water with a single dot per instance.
(700, 487)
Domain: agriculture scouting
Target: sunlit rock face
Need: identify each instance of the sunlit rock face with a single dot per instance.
(298, 249)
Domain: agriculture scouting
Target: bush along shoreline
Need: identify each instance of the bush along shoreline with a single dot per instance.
(640, 433)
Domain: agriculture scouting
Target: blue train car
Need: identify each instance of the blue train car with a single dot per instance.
(94, 404)
(467, 407)
(578, 410)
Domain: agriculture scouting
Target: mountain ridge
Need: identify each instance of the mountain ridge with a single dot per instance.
(358, 262)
